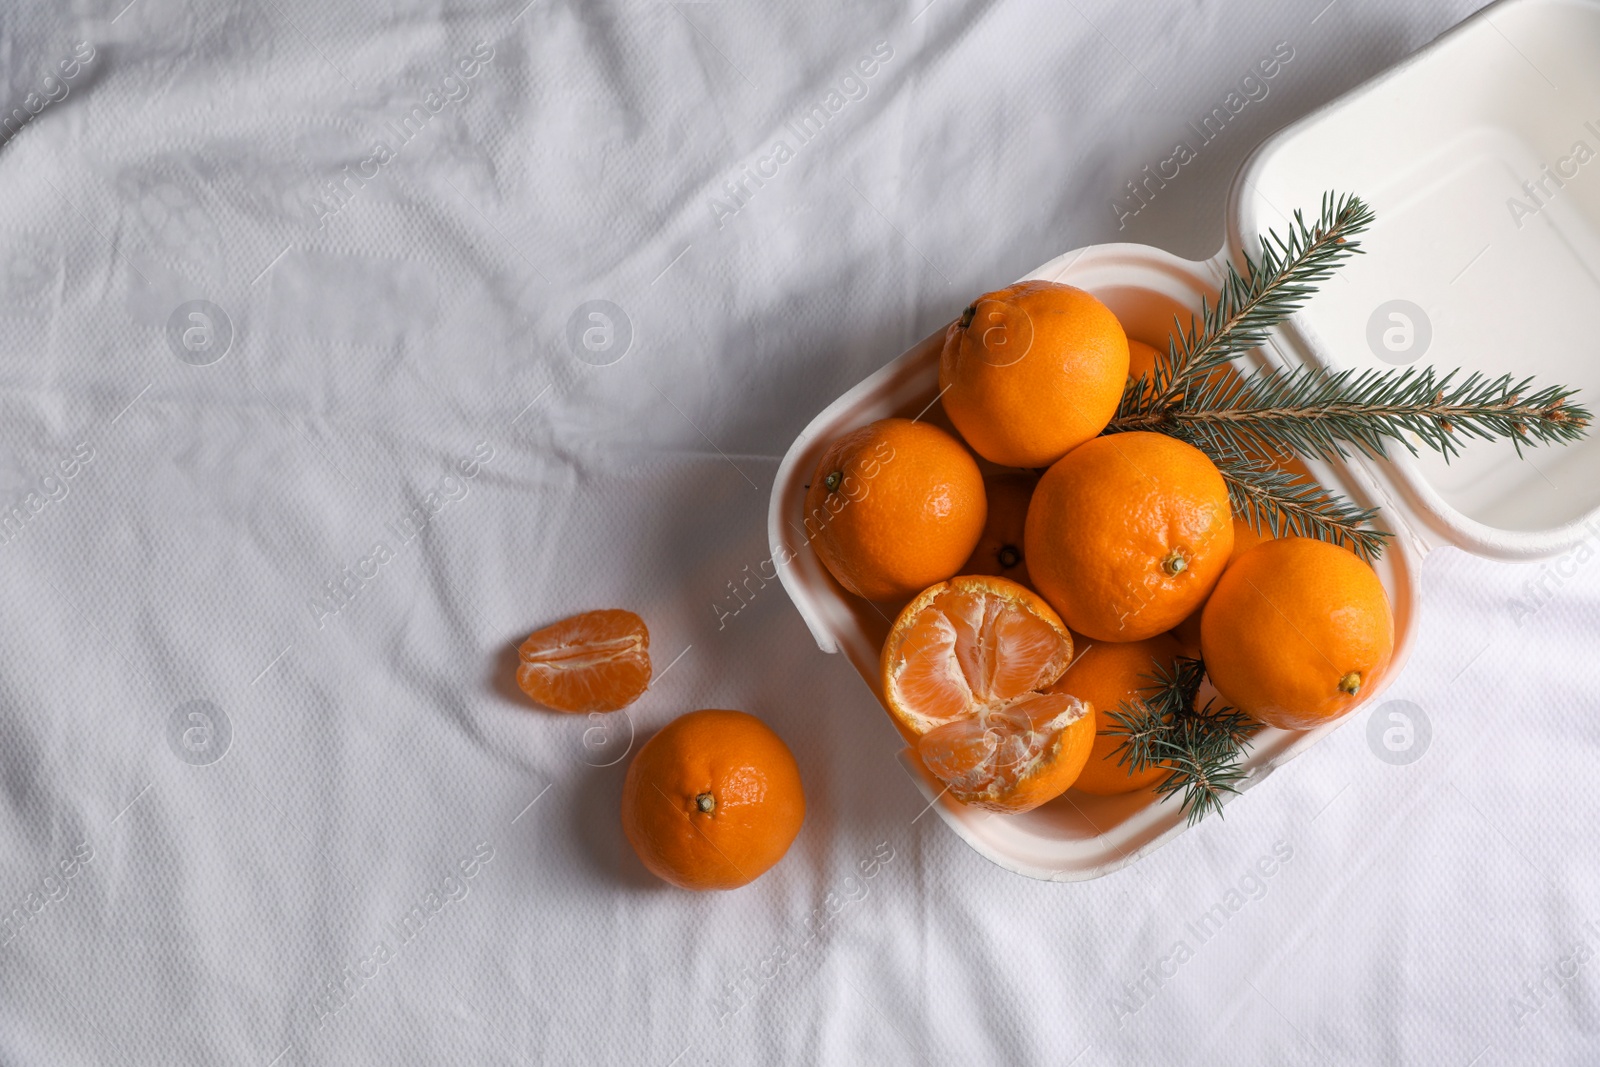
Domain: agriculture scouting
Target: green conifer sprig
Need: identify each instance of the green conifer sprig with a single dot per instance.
(1280, 503)
(1244, 420)
(1201, 747)
(1315, 413)
(1276, 283)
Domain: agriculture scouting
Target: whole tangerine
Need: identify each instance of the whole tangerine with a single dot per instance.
(1127, 534)
(713, 800)
(894, 507)
(1107, 675)
(1031, 371)
(1142, 360)
(1297, 632)
(999, 550)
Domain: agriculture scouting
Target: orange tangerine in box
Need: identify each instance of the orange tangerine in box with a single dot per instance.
(1127, 534)
(894, 507)
(999, 550)
(1141, 362)
(1108, 675)
(966, 673)
(1296, 632)
(1031, 371)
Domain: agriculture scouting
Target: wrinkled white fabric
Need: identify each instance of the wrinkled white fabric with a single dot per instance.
(305, 537)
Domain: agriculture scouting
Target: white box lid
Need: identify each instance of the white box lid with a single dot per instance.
(1481, 158)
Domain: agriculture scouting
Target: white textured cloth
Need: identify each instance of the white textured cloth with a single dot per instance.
(270, 795)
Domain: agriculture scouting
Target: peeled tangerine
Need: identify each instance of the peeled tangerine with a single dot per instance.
(965, 671)
(1297, 632)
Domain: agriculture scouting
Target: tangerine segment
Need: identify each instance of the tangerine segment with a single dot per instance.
(963, 672)
(597, 661)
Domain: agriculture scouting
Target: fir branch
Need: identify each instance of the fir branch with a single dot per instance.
(1141, 728)
(1173, 690)
(1202, 748)
(1144, 722)
(1314, 412)
(1274, 286)
(1281, 503)
(1205, 759)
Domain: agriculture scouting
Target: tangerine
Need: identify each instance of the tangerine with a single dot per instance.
(1031, 371)
(1296, 632)
(1142, 363)
(894, 507)
(965, 673)
(713, 800)
(999, 550)
(1126, 535)
(1107, 675)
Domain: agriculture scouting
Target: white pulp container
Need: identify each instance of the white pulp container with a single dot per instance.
(1480, 156)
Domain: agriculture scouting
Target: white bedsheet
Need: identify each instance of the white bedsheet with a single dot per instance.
(269, 794)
